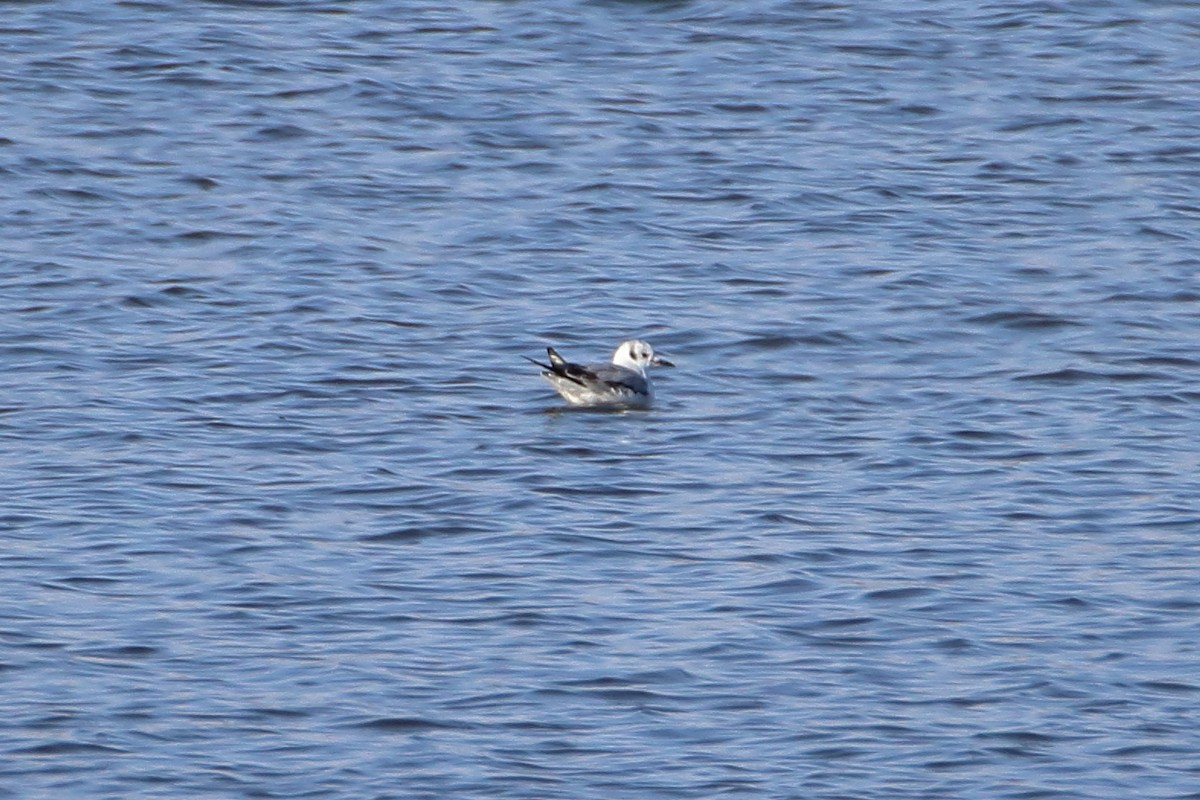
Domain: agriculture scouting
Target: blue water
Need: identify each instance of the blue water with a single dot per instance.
(285, 514)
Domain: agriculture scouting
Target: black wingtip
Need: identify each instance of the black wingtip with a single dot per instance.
(538, 363)
(559, 367)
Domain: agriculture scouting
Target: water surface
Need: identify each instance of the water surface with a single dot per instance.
(286, 515)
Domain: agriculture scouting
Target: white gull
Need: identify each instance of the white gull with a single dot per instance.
(621, 384)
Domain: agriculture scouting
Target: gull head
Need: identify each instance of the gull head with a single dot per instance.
(637, 354)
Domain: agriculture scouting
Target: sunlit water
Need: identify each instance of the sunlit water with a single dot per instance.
(285, 514)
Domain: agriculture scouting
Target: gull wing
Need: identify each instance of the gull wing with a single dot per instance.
(618, 379)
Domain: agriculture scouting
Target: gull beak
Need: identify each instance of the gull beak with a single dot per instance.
(661, 362)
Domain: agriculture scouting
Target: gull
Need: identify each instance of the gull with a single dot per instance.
(621, 384)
